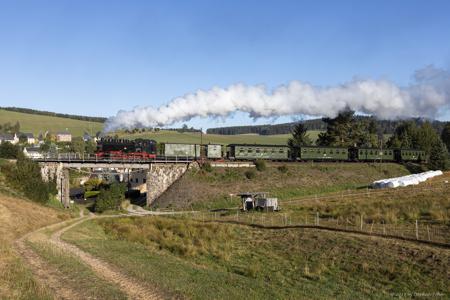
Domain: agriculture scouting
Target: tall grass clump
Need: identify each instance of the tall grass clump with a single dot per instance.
(250, 174)
(182, 237)
(260, 165)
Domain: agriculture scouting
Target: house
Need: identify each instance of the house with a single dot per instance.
(63, 137)
(29, 138)
(7, 137)
(32, 152)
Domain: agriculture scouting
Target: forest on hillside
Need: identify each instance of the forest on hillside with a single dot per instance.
(384, 126)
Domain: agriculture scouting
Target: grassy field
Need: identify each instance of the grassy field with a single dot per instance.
(209, 190)
(200, 260)
(165, 136)
(40, 124)
(17, 217)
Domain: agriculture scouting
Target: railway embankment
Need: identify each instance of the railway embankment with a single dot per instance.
(215, 188)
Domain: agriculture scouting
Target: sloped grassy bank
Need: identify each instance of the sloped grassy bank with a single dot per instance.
(192, 259)
(209, 190)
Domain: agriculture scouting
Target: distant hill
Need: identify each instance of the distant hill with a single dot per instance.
(385, 126)
(53, 114)
(40, 123)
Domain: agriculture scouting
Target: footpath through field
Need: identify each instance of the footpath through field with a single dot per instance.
(49, 276)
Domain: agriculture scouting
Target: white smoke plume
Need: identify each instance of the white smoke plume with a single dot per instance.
(428, 95)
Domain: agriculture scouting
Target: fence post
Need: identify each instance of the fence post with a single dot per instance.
(361, 221)
(417, 230)
(317, 218)
(384, 228)
(428, 230)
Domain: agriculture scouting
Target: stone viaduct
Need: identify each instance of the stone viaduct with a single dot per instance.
(159, 175)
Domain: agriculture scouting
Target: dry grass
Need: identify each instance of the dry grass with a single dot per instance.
(211, 189)
(264, 264)
(429, 201)
(187, 238)
(17, 217)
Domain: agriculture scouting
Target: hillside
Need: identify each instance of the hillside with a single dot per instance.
(17, 217)
(40, 123)
(185, 258)
(211, 189)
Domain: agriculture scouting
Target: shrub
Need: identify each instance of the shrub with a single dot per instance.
(93, 184)
(110, 198)
(25, 176)
(283, 169)
(250, 174)
(260, 165)
(207, 167)
(8, 150)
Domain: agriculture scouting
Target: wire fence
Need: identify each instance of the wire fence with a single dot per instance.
(420, 230)
(367, 192)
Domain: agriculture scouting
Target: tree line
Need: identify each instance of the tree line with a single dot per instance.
(384, 126)
(348, 130)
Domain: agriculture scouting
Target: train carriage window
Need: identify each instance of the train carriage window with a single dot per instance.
(257, 151)
(249, 151)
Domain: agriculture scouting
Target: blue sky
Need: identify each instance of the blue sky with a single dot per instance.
(96, 57)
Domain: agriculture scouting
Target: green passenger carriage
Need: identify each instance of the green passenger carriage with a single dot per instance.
(374, 154)
(410, 155)
(323, 153)
(252, 152)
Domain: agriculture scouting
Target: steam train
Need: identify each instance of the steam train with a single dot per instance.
(126, 149)
(150, 149)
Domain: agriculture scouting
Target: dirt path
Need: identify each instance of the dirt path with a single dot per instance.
(43, 273)
(52, 278)
(133, 289)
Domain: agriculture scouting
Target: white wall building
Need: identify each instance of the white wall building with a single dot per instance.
(63, 137)
(7, 137)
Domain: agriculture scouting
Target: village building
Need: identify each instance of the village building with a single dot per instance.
(32, 152)
(63, 137)
(8, 137)
(29, 138)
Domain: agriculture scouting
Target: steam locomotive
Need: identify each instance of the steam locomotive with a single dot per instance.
(126, 149)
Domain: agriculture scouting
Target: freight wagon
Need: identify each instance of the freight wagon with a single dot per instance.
(181, 150)
(214, 151)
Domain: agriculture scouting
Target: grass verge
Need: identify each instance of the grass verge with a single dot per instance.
(262, 264)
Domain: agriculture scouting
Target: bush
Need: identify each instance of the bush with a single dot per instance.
(250, 174)
(207, 167)
(8, 150)
(25, 176)
(260, 165)
(110, 198)
(283, 169)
